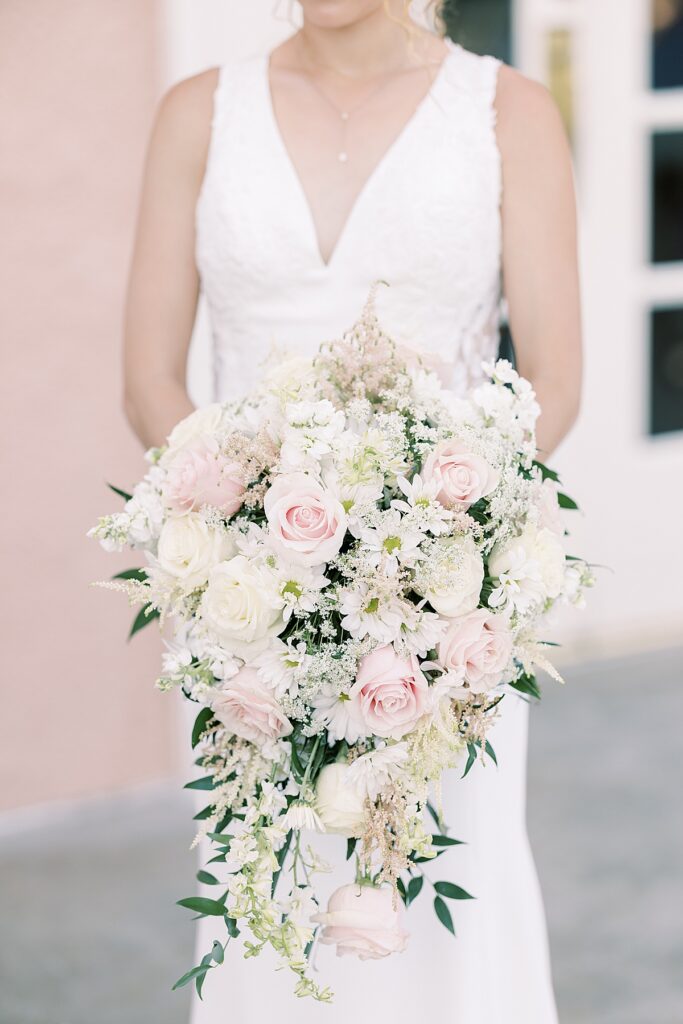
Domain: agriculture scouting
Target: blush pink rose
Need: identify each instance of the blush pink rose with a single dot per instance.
(200, 475)
(361, 921)
(478, 648)
(248, 708)
(463, 478)
(390, 693)
(306, 521)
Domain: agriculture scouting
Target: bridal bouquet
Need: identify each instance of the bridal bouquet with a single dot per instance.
(356, 564)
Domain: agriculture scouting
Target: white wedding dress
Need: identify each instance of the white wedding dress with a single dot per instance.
(428, 223)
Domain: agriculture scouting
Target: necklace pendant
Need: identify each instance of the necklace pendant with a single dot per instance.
(342, 157)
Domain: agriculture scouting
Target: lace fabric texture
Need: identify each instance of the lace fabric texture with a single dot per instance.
(427, 222)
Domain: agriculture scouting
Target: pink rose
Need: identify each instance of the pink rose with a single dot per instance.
(247, 707)
(390, 693)
(477, 647)
(306, 521)
(200, 475)
(463, 478)
(361, 921)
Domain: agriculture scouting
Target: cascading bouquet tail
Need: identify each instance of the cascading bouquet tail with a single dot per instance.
(357, 566)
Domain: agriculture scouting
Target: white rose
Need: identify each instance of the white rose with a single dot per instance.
(242, 606)
(529, 568)
(339, 803)
(200, 423)
(189, 548)
(458, 586)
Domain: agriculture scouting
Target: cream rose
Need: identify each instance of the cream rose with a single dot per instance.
(462, 477)
(459, 578)
(200, 423)
(246, 707)
(306, 521)
(200, 474)
(361, 921)
(340, 805)
(188, 549)
(390, 693)
(478, 647)
(242, 606)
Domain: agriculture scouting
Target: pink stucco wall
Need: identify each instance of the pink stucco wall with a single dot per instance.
(78, 83)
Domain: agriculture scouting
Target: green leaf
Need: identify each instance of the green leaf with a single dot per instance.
(491, 752)
(452, 891)
(281, 855)
(471, 758)
(204, 906)
(205, 813)
(131, 574)
(402, 890)
(443, 914)
(414, 888)
(217, 952)
(207, 878)
(527, 684)
(200, 724)
(196, 972)
(143, 618)
(350, 847)
(218, 859)
(199, 980)
(222, 838)
(546, 474)
(122, 494)
(565, 501)
(205, 783)
(433, 812)
(231, 925)
(438, 840)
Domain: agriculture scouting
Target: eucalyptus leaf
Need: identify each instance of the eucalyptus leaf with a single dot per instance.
(201, 969)
(350, 847)
(438, 840)
(131, 574)
(415, 888)
(207, 878)
(452, 891)
(205, 783)
(203, 905)
(217, 952)
(565, 501)
(443, 914)
(200, 724)
(122, 494)
(143, 618)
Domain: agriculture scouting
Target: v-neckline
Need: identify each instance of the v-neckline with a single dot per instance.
(385, 158)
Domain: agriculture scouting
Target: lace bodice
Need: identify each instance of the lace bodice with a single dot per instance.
(427, 222)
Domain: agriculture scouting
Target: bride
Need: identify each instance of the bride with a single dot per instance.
(365, 148)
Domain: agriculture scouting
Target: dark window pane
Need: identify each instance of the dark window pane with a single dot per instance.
(483, 26)
(667, 44)
(667, 198)
(666, 371)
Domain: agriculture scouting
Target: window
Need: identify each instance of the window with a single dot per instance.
(667, 44)
(483, 26)
(666, 370)
(667, 196)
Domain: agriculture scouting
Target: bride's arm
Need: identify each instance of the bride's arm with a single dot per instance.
(540, 251)
(163, 286)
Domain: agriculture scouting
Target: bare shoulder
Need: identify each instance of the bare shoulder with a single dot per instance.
(528, 118)
(182, 126)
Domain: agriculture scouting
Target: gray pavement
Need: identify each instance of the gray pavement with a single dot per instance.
(89, 933)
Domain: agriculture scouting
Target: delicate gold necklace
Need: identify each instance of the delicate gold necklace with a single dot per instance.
(346, 113)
